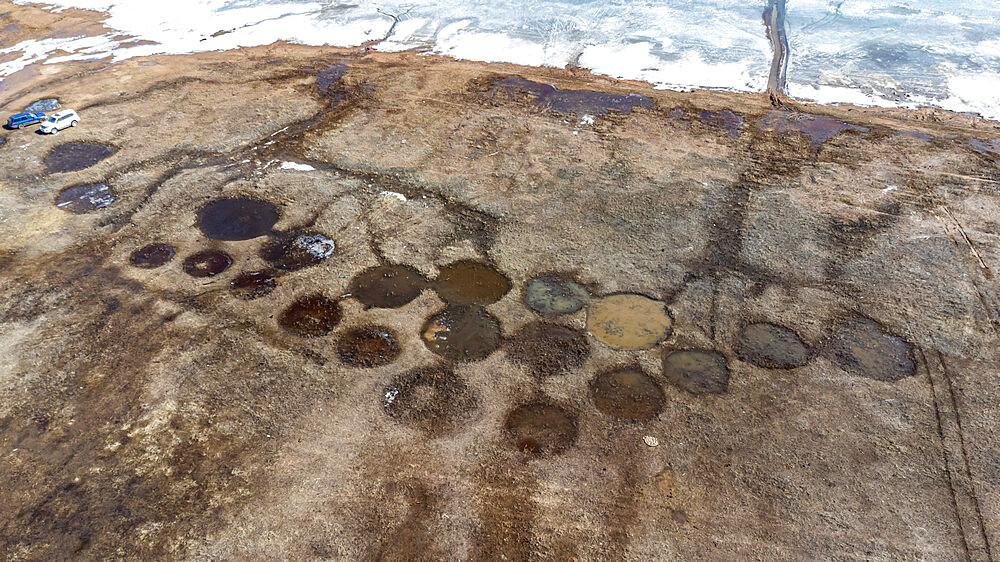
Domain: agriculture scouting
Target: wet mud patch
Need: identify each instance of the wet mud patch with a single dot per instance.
(151, 256)
(291, 251)
(627, 394)
(771, 346)
(83, 199)
(988, 148)
(432, 399)
(251, 285)
(208, 263)
(539, 428)
(471, 282)
(548, 349)
(237, 218)
(462, 333)
(387, 286)
(579, 102)
(697, 372)
(330, 76)
(48, 104)
(629, 321)
(725, 120)
(819, 128)
(74, 156)
(311, 316)
(368, 346)
(862, 348)
(552, 295)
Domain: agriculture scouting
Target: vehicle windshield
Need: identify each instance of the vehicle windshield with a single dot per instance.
(51, 119)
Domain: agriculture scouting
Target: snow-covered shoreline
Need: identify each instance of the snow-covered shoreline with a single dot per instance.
(879, 53)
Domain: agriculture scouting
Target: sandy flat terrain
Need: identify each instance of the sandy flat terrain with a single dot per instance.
(305, 303)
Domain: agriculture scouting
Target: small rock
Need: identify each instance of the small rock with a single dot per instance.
(651, 441)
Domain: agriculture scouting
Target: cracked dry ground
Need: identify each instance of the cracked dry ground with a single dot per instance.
(452, 337)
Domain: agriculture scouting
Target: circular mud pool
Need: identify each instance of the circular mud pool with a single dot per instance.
(861, 347)
(772, 346)
(311, 316)
(253, 284)
(74, 156)
(698, 372)
(432, 399)
(551, 295)
(387, 286)
(628, 321)
(462, 333)
(548, 349)
(368, 346)
(237, 218)
(82, 199)
(627, 394)
(208, 263)
(541, 429)
(295, 250)
(471, 282)
(151, 256)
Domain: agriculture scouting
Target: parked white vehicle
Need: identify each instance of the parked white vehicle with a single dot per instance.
(59, 121)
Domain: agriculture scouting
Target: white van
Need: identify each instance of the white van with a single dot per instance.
(59, 121)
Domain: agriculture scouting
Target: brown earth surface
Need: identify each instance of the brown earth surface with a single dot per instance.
(818, 381)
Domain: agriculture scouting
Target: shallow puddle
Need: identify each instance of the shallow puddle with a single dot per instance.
(698, 372)
(432, 399)
(329, 76)
(548, 349)
(551, 295)
(253, 284)
(237, 218)
(861, 347)
(387, 286)
(311, 316)
(295, 250)
(818, 128)
(629, 321)
(462, 333)
(82, 199)
(541, 429)
(471, 282)
(74, 156)
(208, 263)
(368, 346)
(771, 346)
(627, 394)
(725, 120)
(151, 256)
(579, 102)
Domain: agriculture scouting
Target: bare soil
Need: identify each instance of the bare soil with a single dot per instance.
(147, 411)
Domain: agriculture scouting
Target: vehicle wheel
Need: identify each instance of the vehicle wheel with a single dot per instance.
(20, 126)
(73, 123)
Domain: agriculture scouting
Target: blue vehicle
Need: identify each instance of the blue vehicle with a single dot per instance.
(19, 120)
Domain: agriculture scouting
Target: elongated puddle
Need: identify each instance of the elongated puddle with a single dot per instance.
(387, 286)
(253, 284)
(629, 321)
(74, 156)
(237, 218)
(861, 347)
(151, 256)
(82, 199)
(539, 428)
(627, 394)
